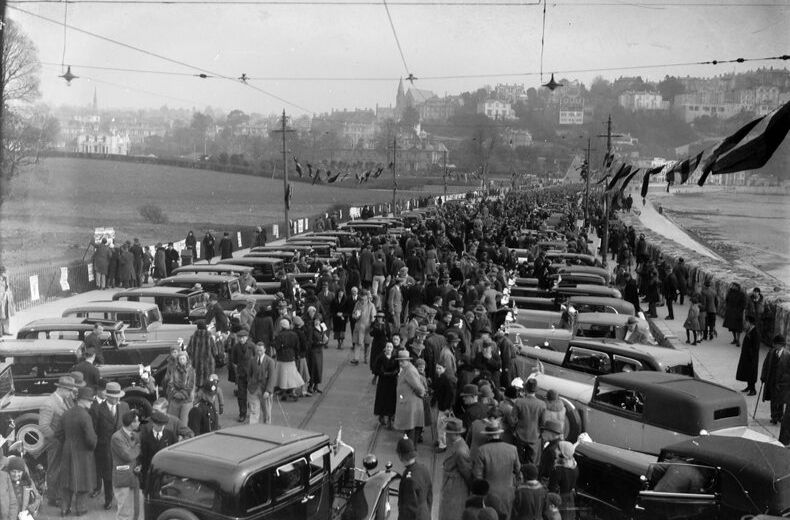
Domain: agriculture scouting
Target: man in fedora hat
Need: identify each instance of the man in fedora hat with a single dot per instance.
(529, 416)
(409, 410)
(415, 494)
(457, 472)
(78, 468)
(49, 420)
(107, 418)
(241, 352)
(154, 437)
(473, 408)
(498, 463)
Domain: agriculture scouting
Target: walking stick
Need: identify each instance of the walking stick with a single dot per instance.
(756, 404)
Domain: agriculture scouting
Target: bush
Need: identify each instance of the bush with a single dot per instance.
(153, 214)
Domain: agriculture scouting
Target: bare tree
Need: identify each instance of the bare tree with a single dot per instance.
(20, 66)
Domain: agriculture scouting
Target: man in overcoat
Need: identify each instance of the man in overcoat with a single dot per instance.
(498, 463)
(409, 411)
(49, 421)
(750, 356)
(260, 375)
(776, 376)
(457, 474)
(107, 420)
(78, 468)
(125, 448)
(415, 494)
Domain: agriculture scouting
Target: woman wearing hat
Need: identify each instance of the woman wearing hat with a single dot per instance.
(380, 334)
(27, 496)
(181, 388)
(339, 312)
(409, 413)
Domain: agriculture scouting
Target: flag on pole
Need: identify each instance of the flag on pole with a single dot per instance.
(725, 146)
(755, 152)
(332, 178)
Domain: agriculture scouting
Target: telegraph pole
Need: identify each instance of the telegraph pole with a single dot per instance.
(605, 231)
(587, 187)
(445, 175)
(394, 175)
(286, 202)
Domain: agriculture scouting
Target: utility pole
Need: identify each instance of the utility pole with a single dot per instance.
(606, 201)
(445, 176)
(286, 190)
(587, 187)
(394, 174)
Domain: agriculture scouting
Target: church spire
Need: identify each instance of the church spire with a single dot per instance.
(95, 102)
(401, 96)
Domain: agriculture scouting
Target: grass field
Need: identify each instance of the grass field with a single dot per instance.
(52, 209)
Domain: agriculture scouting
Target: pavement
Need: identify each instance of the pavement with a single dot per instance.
(347, 401)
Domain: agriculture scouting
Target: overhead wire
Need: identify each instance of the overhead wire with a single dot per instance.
(397, 40)
(162, 57)
(401, 3)
(65, 28)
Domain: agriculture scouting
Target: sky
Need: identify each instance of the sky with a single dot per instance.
(313, 58)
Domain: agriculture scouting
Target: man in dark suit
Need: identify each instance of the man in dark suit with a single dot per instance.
(108, 420)
(154, 436)
(125, 451)
(88, 369)
(776, 376)
(260, 385)
(77, 471)
(415, 494)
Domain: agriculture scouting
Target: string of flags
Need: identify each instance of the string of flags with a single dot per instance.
(749, 148)
(320, 176)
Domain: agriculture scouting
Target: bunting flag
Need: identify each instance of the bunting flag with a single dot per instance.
(317, 178)
(646, 179)
(685, 167)
(723, 147)
(671, 177)
(359, 179)
(331, 179)
(378, 173)
(289, 193)
(366, 175)
(345, 176)
(627, 179)
(607, 160)
(755, 152)
(600, 181)
(298, 167)
(310, 170)
(621, 172)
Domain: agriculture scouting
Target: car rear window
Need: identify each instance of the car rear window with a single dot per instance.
(41, 366)
(726, 413)
(590, 361)
(289, 479)
(685, 369)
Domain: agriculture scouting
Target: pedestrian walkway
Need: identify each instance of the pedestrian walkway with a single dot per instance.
(660, 224)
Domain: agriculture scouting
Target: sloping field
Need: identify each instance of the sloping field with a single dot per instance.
(53, 209)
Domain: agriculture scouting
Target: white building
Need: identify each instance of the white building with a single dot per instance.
(631, 100)
(103, 144)
(494, 109)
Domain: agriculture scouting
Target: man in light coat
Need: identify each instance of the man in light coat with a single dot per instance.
(457, 473)
(409, 411)
(125, 448)
(49, 419)
(498, 463)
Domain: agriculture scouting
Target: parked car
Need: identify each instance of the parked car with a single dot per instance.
(116, 349)
(562, 292)
(361, 227)
(143, 320)
(525, 313)
(601, 304)
(221, 268)
(37, 364)
(570, 258)
(644, 411)
(587, 269)
(573, 326)
(221, 285)
(346, 239)
(264, 269)
(735, 478)
(177, 304)
(19, 414)
(263, 471)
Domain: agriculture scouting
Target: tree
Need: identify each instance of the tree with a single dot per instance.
(669, 88)
(410, 117)
(24, 137)
(20, 66)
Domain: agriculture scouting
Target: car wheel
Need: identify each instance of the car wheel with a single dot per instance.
(177, 514)
(31, 436)
(139, 403)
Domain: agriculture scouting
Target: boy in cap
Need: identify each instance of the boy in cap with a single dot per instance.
(415, 494)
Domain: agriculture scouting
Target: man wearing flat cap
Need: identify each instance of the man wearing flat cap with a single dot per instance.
(415, 494)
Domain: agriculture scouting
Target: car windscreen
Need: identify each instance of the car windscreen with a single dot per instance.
(153, 315)
(43, 365)
(196, 301)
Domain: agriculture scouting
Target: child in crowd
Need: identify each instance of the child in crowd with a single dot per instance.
(219, 398)
(692, 323)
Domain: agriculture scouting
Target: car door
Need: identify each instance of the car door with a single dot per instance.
(679, 490)
(614, 416)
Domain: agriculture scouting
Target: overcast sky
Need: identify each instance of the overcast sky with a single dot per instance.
(356, 42)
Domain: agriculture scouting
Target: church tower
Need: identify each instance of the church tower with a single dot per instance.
(400, 99)
(95, 105)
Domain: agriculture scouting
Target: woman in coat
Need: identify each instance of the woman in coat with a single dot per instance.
(160, 266)
(750, 357)
(181, 388)
(409, 412)
(126, 267)
(734, 305)
(202, 350)
(191, 243)
(339, 311)
(380, 332)
(317, 340)
(563, 480)
(755, 306)
(386, 368)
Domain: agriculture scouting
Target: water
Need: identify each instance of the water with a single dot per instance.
(751, 227)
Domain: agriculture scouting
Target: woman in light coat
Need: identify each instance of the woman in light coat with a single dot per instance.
(363, 315)
(409, 411)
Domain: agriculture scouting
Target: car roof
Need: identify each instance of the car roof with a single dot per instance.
(599, 300)
(607, 318)
(157, 290)
(17, 347)
(666, 356)
(237, 449)
(200, 278)
(70, 323)
(253, 260)
(211, 268)
(111, 305)
(761, 469)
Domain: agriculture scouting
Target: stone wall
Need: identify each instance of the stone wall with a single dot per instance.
(776, 319)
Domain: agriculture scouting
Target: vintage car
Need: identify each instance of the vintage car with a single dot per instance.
(573, 326)
(644, 411)
(221, 268)
(566, 279)
(362, 227)
(143, 320)
(702, 478)
(570, 258)
(346, 239)
(264, 268)
(565, 291)
(524, 312)
(19, 414)
(586, 359)
(586, 269)
(264, 471)
(37, 364)
(222, 285)
(177, 304)
(601, 304)
(115, 348)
